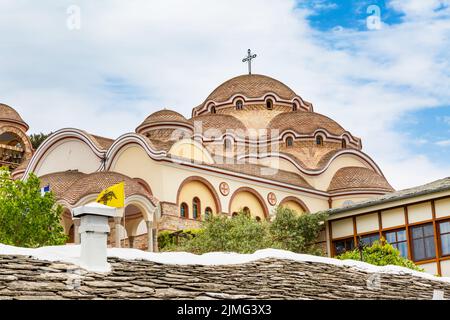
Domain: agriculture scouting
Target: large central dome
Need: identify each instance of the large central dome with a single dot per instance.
(250, 86)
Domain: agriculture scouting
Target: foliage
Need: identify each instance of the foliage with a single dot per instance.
(296, 232)
(37, 139)
(26, 218)
(244, 234)
(168, 239)
(380, 253)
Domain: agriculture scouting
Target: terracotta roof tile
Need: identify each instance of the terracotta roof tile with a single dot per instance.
(7, 113)
(350, 178)
(251, 86)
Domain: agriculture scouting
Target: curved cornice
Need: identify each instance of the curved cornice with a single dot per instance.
(204, 107)
(315, 172)
(55, 138)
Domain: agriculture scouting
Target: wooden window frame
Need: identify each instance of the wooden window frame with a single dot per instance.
(422, 225)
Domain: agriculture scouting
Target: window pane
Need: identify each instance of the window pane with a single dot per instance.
(445, 227)
(419, 249)
(445, 243)
(403, 248)
(430, 248)
(390, 237)
(417, 232)
(428, 230)
(401, 235)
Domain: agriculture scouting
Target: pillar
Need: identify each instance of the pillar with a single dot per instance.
(150, 242)
(76, 230)
(116, 232)
(131, 241)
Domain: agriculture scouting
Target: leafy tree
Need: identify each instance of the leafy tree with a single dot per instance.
(297, 232)
(37, 139)
(26, 218)
(380, 253)
(244, 234)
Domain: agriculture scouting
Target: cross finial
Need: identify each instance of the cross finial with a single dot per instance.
(249, 59)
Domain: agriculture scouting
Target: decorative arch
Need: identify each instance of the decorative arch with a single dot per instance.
(254, 193)
(207, 184)
(297, 201)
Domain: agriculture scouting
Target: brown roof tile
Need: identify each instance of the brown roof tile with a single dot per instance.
(7, 113)
(350, 178)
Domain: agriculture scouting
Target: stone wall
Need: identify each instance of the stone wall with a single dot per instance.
(26, 278)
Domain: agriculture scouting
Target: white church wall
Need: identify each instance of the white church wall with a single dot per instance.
(70, 154)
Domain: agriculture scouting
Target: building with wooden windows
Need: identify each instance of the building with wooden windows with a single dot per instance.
(416, 221)
(253, 144)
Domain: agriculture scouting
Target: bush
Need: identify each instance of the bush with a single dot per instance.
(244, 234)
(26, 218)
(297, 232)
(167, 240)
(380, 253)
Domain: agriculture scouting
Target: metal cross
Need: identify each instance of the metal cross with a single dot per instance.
(249, 59)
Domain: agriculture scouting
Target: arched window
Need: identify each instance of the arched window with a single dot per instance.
(213, 110)
(289, 142)
(258, 219)
(228, 145)
(196, 208)
(208, 213)
(294, 107)
(235, 214)
(246, 211)
(319, 141)
(239, 105)
(269, 104)
(344, 144)
(184, 211)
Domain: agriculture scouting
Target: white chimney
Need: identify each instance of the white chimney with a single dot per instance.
(94, 229)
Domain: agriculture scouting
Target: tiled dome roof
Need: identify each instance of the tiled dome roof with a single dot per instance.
(305, 122)
(350, 178)
(72, 186)
(221, 122)
(250, 86)
(162, 116)
(10, 115)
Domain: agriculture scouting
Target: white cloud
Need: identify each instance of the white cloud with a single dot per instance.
(173, 53)
(443, 143)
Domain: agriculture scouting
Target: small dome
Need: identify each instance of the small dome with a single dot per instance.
(220, 122)
(351, 178)
(305, 122)
(161, 117)
(8, 114)
(251, 86)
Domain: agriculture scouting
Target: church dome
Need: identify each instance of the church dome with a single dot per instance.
(251, 86)
(305, 122)
(162, 118)
(358, 178)
(8, 114)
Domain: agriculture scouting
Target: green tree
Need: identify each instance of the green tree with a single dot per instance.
(380, 253)
(242, 234)
(26, 218)
(297, 232)
(37, 139)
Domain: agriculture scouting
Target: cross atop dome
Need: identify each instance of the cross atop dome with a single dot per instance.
(249, 59)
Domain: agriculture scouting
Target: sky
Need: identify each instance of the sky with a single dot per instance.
(379, 68)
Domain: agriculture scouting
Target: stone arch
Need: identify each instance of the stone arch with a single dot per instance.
(294, 203)
(211, 200)
(248, 197)
(68, 225)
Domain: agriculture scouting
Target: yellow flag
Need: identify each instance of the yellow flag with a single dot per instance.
(113, 196)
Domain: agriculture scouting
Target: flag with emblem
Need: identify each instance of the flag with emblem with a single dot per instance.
(113, 196)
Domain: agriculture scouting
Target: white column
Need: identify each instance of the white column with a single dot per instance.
(116, 231)
(76, 230)
(150, 242)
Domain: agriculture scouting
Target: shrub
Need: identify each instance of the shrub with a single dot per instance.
(296, 232)
(380, 253)
(167, 240)
(28, 219)
(244, 234)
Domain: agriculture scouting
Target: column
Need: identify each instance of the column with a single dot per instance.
(131, 242)
(150, 242)
(116, 232)
(76, 230)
